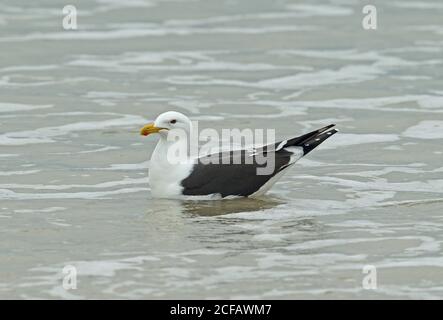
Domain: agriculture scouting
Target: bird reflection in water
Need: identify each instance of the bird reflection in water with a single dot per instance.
(212, 208)
(222, 207)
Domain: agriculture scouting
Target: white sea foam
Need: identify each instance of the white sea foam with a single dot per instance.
(437, 29)
(366, 199)
(8, 155)
(29, 68)
(311, 10)
(43, 210)
(103, 268)
(274, 237)
(6, 194)
(428, 129)
(13, 107)
(316, 244)
(33, 81)
(412, 78)
(173, 61)
(50, 276)
(380, 60)
(384, 171)
(275, 259)
(417, 5)
(45, 135)
(351, 73)
(431, 102)
(150, 32)
(347, 74)
(103, 149)
(22, 172)
(426, 103)
(430, 186)
(109, 5)
(103, 185)
(125, 166)
(199, 66)
(348, 139)
(294, 11)
(349, 54)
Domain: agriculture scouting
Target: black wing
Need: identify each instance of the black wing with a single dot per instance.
(235, 172)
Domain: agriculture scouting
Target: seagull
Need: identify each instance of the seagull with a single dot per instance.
(197, 178)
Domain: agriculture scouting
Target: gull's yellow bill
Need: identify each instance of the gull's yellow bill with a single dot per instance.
(150, 128)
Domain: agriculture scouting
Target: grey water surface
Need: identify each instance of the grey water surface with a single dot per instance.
(73, 168)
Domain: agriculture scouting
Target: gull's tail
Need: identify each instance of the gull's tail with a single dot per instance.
(312, 139)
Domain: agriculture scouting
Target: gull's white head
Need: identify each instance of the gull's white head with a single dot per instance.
(168, 122)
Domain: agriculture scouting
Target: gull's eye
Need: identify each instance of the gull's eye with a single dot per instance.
(173, 121)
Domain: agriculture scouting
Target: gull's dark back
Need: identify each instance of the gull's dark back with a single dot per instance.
(234, 173)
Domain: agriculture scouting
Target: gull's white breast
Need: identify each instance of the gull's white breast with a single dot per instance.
(165, 176)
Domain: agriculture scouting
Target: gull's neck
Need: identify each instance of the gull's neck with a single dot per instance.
(171, 152)
(166, 170)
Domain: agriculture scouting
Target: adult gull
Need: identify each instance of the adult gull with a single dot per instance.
(226, 174)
